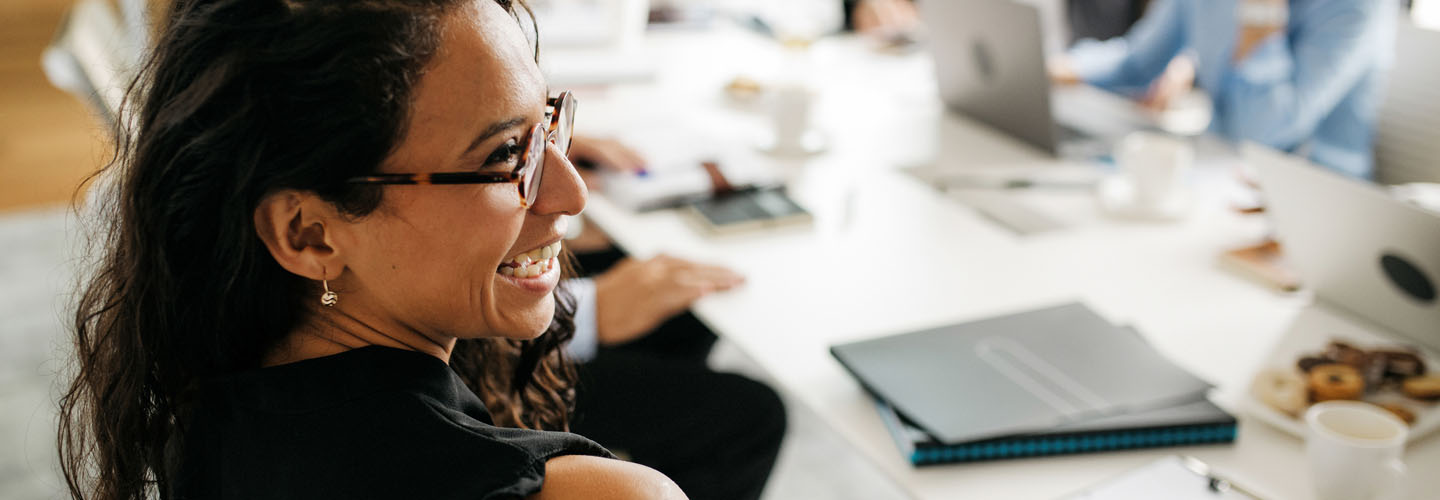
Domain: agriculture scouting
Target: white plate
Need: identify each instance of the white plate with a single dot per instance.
(1308, 335)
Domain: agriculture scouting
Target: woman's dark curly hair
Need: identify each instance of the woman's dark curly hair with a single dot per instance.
(240, 98)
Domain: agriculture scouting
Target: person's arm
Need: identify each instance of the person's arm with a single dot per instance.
(1129, 63)
(638, 296)
(1278, 94)
(572, 477)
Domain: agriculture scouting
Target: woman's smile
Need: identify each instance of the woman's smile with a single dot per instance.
(536, 270)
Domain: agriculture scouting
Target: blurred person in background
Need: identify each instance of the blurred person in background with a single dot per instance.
(1300, 75)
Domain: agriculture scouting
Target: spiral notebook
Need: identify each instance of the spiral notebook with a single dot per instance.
(1054, 380)
(1199, 422)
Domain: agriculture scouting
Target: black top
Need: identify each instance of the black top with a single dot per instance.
(374, 422)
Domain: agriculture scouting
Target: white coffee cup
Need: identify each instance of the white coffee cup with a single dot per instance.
(790, 113)
(1155, 165)
(1354, 450)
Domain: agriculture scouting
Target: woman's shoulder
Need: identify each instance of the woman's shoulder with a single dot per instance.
(252, 435)
(357, 450)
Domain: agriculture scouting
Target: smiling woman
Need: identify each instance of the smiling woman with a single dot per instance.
(262, 321)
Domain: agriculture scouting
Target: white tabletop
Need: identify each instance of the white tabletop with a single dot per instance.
(888, 254)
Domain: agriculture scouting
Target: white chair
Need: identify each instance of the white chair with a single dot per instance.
(1407, 142)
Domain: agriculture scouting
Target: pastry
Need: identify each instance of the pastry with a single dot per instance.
(1373, 370)
(1308, 362)
(1402, 364)
(1401, 411)
(1426, 388)
(1282, 390)
(1335, 381)
(1341, 352)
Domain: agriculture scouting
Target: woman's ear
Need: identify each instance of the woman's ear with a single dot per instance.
(299, 230)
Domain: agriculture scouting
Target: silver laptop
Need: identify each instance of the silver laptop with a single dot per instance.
(1358, 248)
(990, 65)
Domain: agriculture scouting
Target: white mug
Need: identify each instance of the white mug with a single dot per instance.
(791, 116)
(1354, 451)
(1155, 164)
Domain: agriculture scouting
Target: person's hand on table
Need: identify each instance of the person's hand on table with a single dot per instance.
(1062, 72)
(885, 17)
(636, 296)
(1177, 80)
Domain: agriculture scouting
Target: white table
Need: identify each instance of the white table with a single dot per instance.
(888, 254)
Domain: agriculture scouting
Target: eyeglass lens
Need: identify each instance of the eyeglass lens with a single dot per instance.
(530, 179)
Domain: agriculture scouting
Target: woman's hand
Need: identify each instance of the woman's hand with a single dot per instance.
(635, 296)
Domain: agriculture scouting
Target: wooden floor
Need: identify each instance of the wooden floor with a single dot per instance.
(49, 140)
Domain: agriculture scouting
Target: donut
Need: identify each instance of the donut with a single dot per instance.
(1335, 381)
(1282, 390)
(1426, 388)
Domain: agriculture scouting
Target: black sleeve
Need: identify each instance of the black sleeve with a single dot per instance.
(513, 460)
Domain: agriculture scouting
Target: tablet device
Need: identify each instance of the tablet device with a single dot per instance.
(746, 209)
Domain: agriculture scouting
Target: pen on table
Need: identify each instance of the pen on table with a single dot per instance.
(1010, 183)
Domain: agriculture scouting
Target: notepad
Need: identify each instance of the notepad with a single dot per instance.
(1025, 373)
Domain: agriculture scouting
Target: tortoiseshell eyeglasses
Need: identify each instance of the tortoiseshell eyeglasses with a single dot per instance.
(560, 116)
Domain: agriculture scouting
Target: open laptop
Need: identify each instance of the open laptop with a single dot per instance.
(990, 65)
(1358, 248)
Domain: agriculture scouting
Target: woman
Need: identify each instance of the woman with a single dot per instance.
(317, 212)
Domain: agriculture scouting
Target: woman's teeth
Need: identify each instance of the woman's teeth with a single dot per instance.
(533, 263)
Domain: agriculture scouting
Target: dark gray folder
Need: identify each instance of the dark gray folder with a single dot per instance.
(1027, 372)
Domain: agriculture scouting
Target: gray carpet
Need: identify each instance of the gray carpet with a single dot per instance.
(36, 277)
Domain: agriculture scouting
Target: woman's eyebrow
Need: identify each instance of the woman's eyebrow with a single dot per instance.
(492, 130)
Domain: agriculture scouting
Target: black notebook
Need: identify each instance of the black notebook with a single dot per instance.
(1054, 380)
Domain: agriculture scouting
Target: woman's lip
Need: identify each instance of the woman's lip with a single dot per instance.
(541, 284)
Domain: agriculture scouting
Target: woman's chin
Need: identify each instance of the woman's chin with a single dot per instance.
(529, 323)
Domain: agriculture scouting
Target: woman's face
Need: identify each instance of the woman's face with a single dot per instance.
(431, 259)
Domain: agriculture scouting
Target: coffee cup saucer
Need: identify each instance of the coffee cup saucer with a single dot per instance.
(1116, 196)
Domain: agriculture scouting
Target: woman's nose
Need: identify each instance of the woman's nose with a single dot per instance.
(561, 189)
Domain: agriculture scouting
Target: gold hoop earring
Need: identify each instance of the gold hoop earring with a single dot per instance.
(329, 298)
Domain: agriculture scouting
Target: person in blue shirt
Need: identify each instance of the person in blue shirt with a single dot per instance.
(1301, 75)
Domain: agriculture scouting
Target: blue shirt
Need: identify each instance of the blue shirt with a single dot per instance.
(1315, 88)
